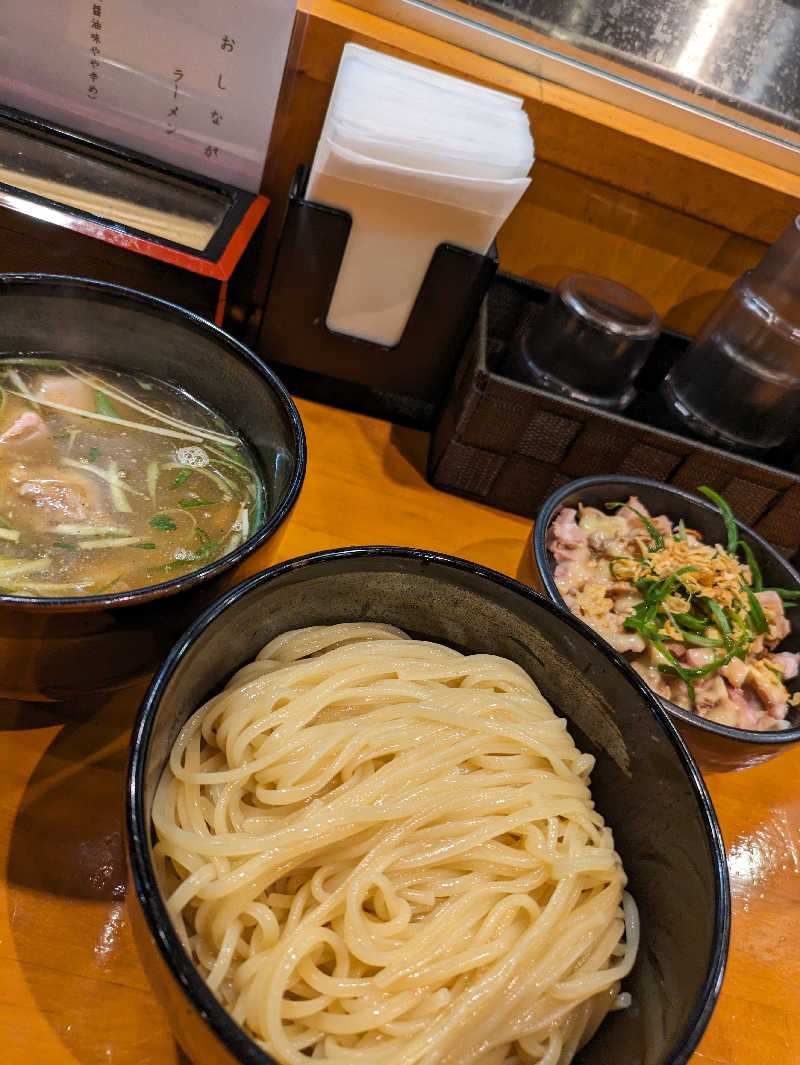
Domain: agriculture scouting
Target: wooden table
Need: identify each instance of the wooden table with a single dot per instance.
(71, 987)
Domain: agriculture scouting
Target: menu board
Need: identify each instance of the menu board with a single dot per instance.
(191, 82)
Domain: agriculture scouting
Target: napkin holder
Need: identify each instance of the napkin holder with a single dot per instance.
(405, 383)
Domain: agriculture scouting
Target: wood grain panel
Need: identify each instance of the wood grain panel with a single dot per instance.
(569, 223)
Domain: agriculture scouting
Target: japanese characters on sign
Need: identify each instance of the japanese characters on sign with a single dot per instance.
(226, 45)
(175, 108)
(191, 82)
(95, 26)
(216, 115)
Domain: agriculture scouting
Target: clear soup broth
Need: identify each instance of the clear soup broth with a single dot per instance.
(110, 482)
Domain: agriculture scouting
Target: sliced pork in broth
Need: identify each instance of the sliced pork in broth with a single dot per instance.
(110, 482)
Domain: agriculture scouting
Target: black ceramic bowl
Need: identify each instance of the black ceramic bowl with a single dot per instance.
(644, 783)
(716, 747)
(58, 648)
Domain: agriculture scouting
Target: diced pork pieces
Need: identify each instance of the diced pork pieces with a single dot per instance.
(772, 604)
(566, 541)
(747, 694)
(54, 495)
(65, 390)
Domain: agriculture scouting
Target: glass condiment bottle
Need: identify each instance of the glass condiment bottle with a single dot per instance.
(588, 343)
(738, 383)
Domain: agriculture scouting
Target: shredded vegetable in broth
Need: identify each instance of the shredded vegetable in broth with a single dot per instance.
(110, 482)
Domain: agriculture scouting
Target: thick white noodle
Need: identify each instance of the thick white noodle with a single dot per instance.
(378, 850)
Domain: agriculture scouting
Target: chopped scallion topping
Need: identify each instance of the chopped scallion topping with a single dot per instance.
(655, 535)
(103, 405)
(713, 603)
(105, 587)
(755, 570)
(162, 522)
(727, 516)
(757, 613)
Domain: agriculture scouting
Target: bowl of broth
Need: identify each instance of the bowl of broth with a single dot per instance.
(382, 801)
(144, 455)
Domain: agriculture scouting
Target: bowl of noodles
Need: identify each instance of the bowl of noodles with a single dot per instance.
(144, 454)
(389, 806)
(701, 606)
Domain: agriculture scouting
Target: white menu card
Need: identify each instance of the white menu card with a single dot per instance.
(191, 82)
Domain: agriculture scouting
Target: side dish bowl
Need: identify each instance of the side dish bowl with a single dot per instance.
(644, 783)
(716, 746)
(58, 648)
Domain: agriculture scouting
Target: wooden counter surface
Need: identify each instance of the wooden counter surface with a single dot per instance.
(71, 987)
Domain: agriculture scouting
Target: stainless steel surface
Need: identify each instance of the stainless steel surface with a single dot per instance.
(721, 70)
(742, 52)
